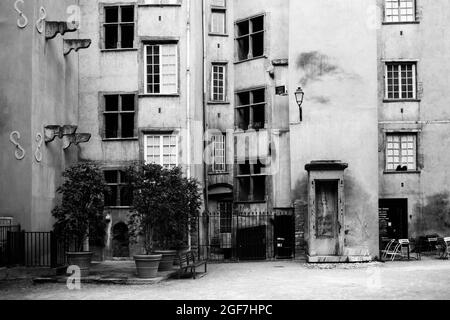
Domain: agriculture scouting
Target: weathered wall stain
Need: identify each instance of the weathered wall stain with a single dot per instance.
(315, 65)
(436, 214)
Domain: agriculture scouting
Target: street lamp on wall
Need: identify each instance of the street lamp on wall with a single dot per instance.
(299, 95)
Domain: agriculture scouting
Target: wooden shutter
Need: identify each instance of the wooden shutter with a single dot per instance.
(169, 68)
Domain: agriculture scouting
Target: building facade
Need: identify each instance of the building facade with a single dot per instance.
(209, 85)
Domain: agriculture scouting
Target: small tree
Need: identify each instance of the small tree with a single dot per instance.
(80, 214)
(166, 206)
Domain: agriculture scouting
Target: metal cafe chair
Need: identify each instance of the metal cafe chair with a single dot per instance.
(390, 250)
(443, 248)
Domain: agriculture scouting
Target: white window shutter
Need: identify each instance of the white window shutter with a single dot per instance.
(169, 69)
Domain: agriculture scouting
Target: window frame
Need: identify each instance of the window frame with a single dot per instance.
(119, 112)
(215, 9)
(251, 175)
(225, 216)
(251, 106)
(399, 16)
(118, 23)
(161, 136)
(147, 44)
(214, 142)
(119, 184)
(399, 72)
(250, 36)
(401, 134)
(225, 82)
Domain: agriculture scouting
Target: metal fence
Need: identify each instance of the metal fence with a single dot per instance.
(246, 236)
(32, 249)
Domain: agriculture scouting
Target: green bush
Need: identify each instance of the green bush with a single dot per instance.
(80, 214)
(165, 206)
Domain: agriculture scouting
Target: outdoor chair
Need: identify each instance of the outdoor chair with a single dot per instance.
(432, 242)
(415, 247)
(389, 250)
(443, 248)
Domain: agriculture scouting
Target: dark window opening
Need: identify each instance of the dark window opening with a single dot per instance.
(120, 193)
(119, 27)
(119, 116)
(244, 189)
(259, 188)
(252, 181)
(250, 38)
(251, 109)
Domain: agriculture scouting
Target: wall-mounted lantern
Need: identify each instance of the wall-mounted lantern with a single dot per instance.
(299, 95)
(53, 131)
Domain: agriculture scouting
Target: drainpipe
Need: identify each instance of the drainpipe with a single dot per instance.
(188, 97)
(188, 85)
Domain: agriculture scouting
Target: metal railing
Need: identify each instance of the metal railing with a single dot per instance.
(245, 236)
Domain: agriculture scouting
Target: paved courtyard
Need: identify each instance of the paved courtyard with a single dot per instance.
(426, 279)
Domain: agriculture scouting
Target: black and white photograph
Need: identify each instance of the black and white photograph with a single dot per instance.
(224, 150)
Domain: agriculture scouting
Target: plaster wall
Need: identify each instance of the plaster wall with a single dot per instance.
(426, 191)
(339, 110)
(39, 86)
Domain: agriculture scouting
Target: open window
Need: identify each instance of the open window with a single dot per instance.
(250, 38)
(120, 194)
(119, 27)
(251, 109)
(252, 177)
(119, 116)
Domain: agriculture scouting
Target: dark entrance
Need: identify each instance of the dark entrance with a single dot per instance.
(393, 218)
(252, 243)
(284, 236)
(120, 241)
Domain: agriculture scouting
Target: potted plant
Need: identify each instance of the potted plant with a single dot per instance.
(166, 207)
(80, 217)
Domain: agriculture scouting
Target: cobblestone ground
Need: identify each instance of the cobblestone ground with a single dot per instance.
(427, 279)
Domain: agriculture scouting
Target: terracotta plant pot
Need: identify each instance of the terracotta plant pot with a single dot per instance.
(147, 265)
(168, 257)
(80, 259)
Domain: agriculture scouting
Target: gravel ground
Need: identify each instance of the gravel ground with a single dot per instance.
(426, 279)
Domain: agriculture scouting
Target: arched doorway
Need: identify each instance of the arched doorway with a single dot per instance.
(120, 241)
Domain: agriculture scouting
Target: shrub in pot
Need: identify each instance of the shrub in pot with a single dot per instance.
(80, 216)
(166, 207)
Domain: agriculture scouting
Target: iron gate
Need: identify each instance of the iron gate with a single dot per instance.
(242, 236)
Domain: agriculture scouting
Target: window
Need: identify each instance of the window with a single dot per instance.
(250, 109)
(218, 82)
(400, 11)
(250, 38)
(401, 152)
(120, 194)
(219, 153)
(162, 150)
(119, 116)
(118, 27)
(252, 181)
(400, 80)
(225, 211)
(161, 69)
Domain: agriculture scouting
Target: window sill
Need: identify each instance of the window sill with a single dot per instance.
(400, 100)
(247, 60)
(157, 95)
(159, 5)
(402, 172)
(218, 102)
(213, 34)
(119, 50)
(118, 207)
(218, 173)
(400, 22)
(119, 139)
(252, 201)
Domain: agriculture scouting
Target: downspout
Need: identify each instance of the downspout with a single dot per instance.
(188, 98)
(188, 86)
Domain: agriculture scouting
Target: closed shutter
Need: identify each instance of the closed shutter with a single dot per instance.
(169, 69)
